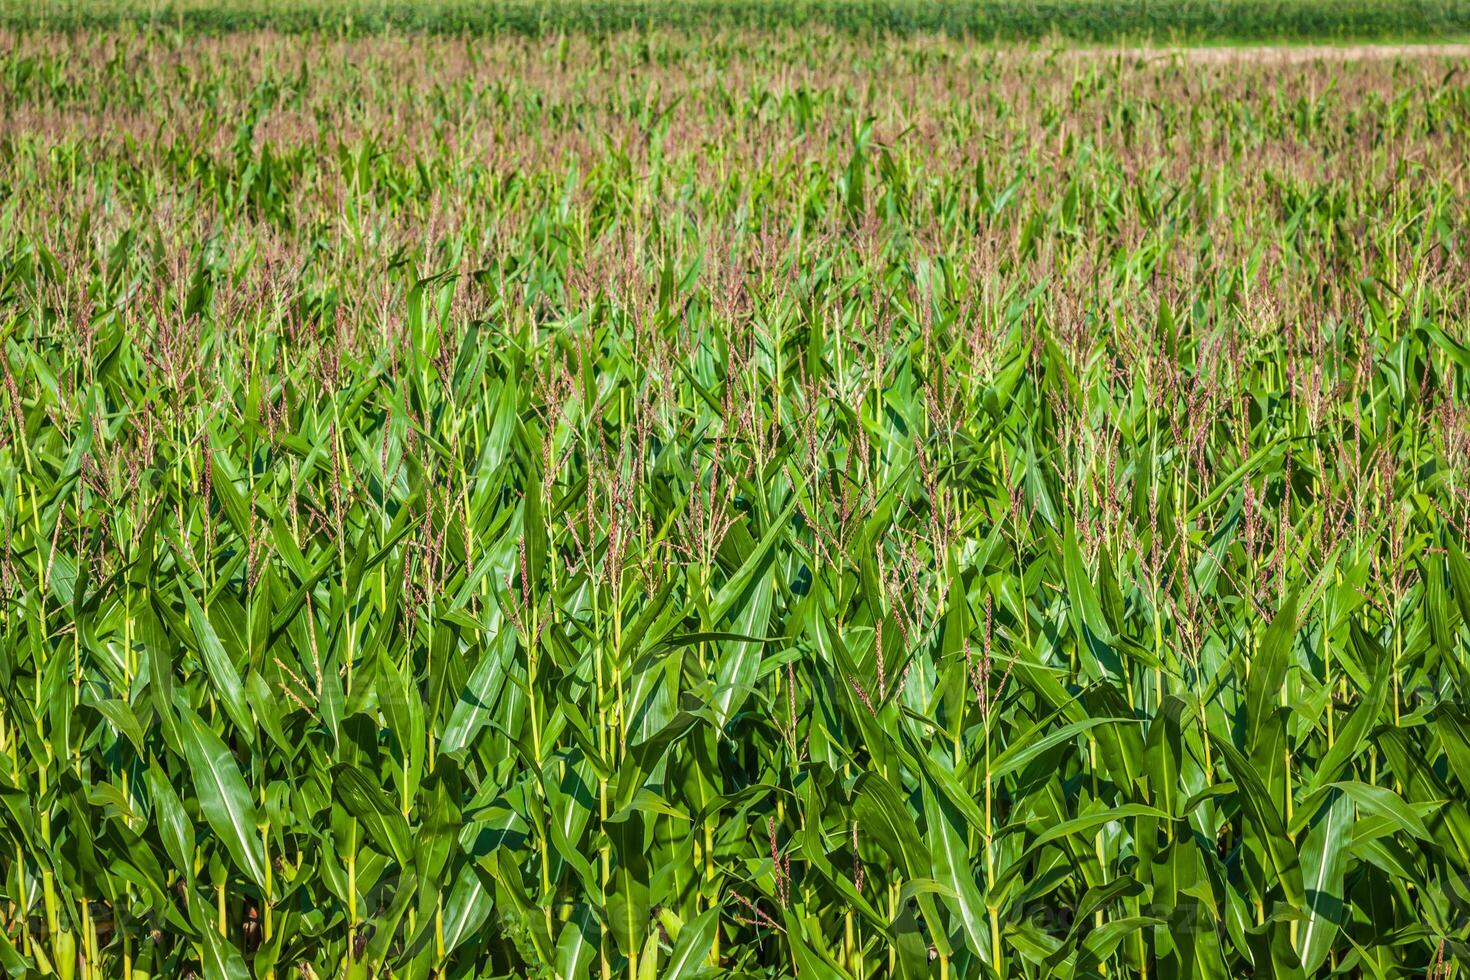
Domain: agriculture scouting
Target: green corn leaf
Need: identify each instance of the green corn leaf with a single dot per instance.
(224, 796)
(1324, 865)
(221, 668)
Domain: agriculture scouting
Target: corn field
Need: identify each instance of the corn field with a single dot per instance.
(760, 504)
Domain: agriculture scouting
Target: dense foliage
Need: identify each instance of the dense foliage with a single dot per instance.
(1209, 21)
(771, 504)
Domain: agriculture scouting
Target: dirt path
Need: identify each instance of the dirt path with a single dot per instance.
(1289, 54)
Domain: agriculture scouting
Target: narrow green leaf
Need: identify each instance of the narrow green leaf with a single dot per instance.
(223, 796)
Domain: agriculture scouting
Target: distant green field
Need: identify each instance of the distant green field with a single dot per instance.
(1184, 21)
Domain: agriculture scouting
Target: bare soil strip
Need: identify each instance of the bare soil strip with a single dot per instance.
(1292, 54)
